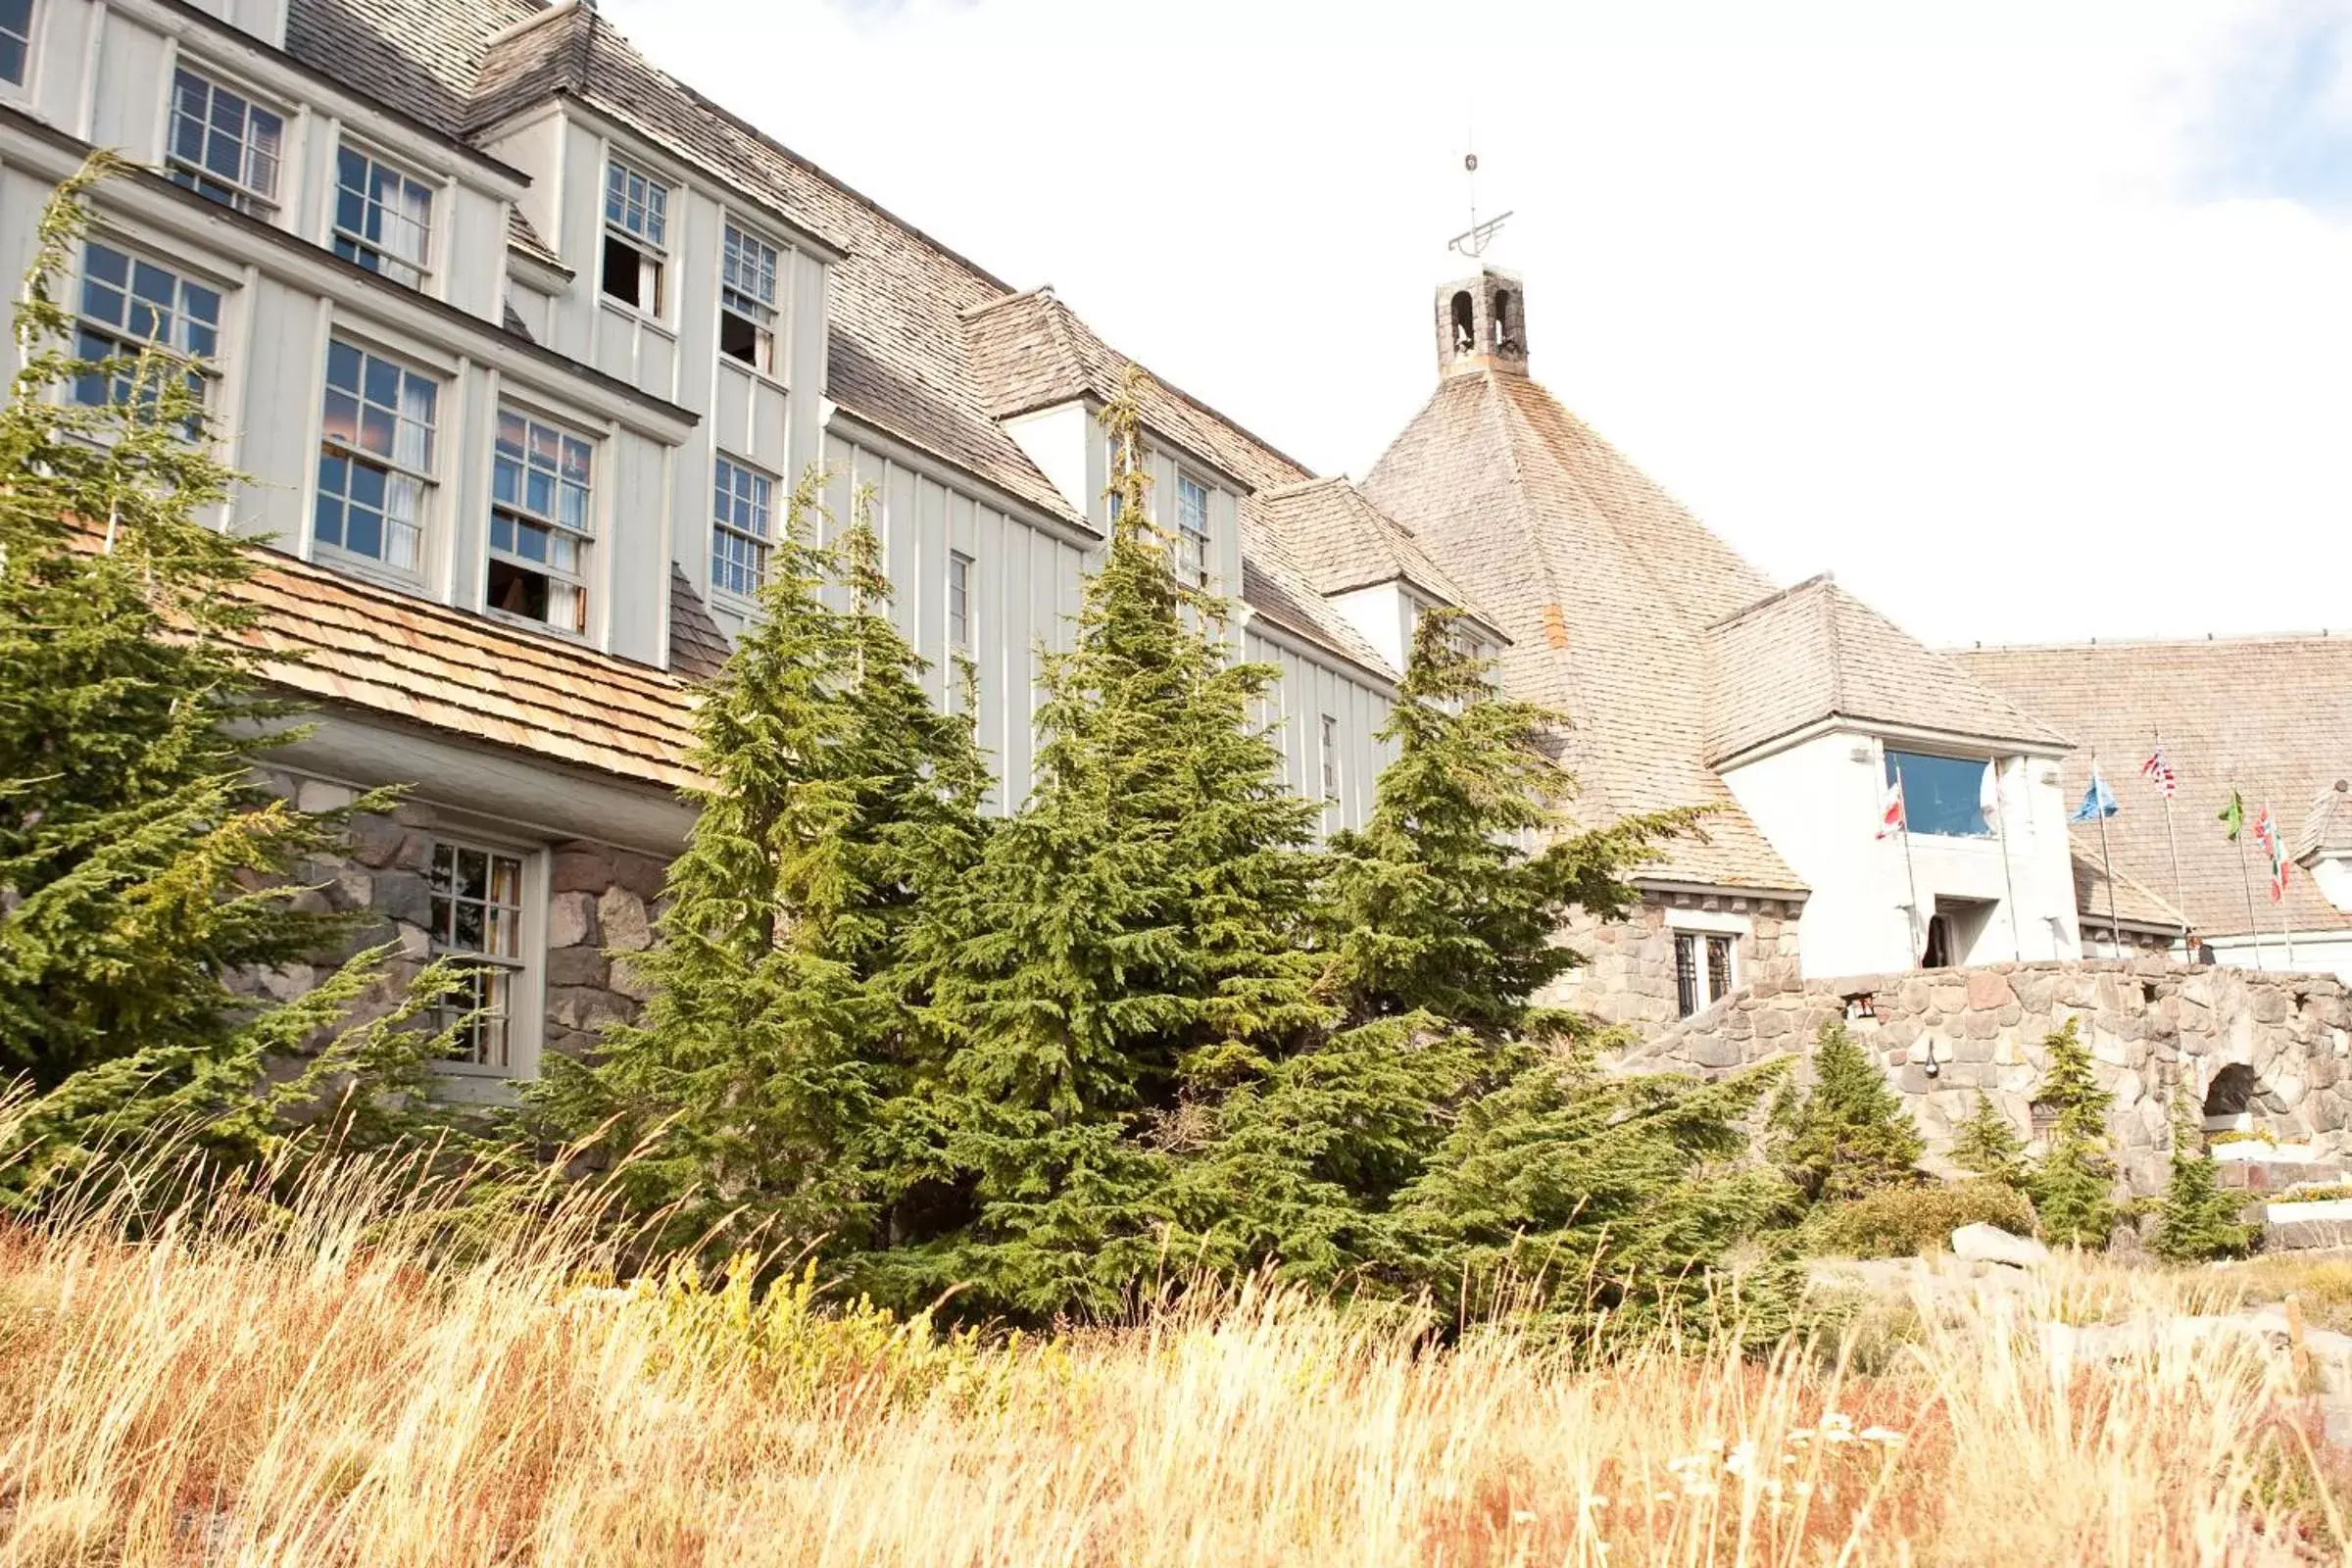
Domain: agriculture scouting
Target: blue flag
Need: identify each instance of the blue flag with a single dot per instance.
(2097, 800)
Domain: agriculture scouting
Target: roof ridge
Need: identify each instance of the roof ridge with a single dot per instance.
(1038, 291)
(1777, 596)
(1834, 632)
(2209, 640)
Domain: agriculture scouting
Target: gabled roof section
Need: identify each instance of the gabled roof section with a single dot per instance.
(1605, 585)
(2136, 907)
(1815, 651)
(1342, 542)
(2327, 826)
(2269, 717)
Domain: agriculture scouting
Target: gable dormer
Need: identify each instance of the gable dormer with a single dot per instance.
(1481, 324)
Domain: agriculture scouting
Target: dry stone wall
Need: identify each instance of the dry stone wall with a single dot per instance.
(1628, 976)
(2157, 1030)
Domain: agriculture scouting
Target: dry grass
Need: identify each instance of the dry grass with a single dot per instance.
(328, 1389)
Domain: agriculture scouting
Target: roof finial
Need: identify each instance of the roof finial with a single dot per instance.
(1473, 241)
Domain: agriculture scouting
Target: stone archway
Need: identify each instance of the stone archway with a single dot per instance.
(2230, 1096)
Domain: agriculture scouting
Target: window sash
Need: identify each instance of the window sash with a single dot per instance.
(636, 204)
(383, 217)
(16, 40)
(375, 459)
(742, 499)
(127, 305)
(1331, 758)
(1719, 967)
(959, 599)
(476, 916)
(1686, 972)
(1192, 530)
(224, 145)
(746, 276)
(534, 459)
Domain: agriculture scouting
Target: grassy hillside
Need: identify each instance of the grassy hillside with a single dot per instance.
(329, 1387)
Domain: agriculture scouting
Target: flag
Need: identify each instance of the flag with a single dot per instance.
(2159, 772)
(1891, 810)
(1988, 796)
(2265, 834)
(2097, 800)
(2234, 816)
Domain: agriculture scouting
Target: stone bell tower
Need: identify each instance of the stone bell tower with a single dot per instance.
(1481, 324)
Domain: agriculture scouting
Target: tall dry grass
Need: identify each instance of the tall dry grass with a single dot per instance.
(328, 1384)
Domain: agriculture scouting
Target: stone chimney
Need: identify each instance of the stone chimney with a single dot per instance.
(1481, 324)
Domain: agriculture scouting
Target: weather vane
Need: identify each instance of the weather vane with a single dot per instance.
(1473, 240)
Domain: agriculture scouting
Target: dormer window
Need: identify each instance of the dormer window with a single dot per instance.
(1192, 531)
(224, 145)
(636, 238)
(747, 300)
(383, 217)
(15, 39)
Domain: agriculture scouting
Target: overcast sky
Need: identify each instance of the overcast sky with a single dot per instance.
(2031, 321)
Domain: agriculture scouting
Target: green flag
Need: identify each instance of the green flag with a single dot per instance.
(2233, 816)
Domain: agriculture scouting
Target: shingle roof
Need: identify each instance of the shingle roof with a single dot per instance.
(1815, 651)
(521, 236)
(697, 646)
(2135, 904)
(2269, 717)
(1342, 541)
(397, 655)
(1605, 583)
(2327, 826)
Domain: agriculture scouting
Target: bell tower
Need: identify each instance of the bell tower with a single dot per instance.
(1481, 324)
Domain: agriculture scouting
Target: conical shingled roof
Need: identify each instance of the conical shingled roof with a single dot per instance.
(1606, 586)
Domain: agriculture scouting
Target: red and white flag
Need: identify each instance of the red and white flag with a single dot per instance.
(2159, 772)
(2266, 833)
(1891, 810)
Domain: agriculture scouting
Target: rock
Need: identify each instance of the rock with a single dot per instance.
(317, 794)
(571, 920)
(376, 840)
(1989, 990)
(621, 916)
(1982, 1243)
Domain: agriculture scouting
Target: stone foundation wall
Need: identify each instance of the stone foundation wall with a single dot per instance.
(2156, 1030)
(599, 901)
(1628, 974)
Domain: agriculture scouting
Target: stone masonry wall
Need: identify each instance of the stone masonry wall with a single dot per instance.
(1628, 975)
(2156, 1030)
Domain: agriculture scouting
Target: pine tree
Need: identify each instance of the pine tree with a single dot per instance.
(2073, 1184)
(143, 874)
(2197, 1221)
(1988, 1145)
(1850, 1134)
(1133, 945)
(752, 1096)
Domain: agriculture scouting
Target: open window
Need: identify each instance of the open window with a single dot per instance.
(747, 300)
(541, 523)
(636, 256)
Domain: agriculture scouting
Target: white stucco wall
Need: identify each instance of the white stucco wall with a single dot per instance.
(1818, 802)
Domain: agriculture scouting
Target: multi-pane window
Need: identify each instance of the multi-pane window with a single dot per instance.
(223, 144)
(959, 599)
(375, 458)
(1704, 972)
(478, 919)
(383, 217)
(747, 300)
(15, 39)
(739, 536)
(1192, 531)
(636, 237)
(1942, 795)
(1330, 743)
(129, 305)
(540, 522)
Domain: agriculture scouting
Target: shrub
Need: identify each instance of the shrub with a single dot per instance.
(1850, 1134)
(2198, 1220)
(2072, 1185)
(1988, 1145)
(1904, 1221)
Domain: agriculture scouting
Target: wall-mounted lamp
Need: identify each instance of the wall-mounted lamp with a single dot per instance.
(1932, 1067)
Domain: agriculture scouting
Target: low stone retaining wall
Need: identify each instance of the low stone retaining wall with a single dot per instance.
(2156, 1030)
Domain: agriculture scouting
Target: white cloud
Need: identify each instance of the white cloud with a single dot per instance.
(2030, 321)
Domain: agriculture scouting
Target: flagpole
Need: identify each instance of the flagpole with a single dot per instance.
(2115, 930)
(1911, 926)
(2000, 822)
(2180, 893)
(2253, 926)
(2279, 863)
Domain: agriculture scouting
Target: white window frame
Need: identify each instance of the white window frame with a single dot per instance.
(725, 529)
(425, 474)
(374, 254)
(22, 81)
(1333, 777)
(521, 515)
(1194, 546)
(1701, 926)
(757, 308)
(523, 1007)
(198, 175)
(648, 236)
(201, 364)
(961, 583)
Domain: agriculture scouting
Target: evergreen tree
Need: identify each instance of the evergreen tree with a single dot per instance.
(2073, 1184)
(1132, 947)
(1850, 1134)
(751, 1097)
(143, 874)
(1988, 1145)
(2198, 1221)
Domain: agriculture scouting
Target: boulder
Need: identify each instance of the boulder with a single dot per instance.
(1982, 1243)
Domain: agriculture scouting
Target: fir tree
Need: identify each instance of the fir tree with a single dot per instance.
(751, 1099)
(1988, 1145)
(2197, 1221)
(141, 872)
(2073, 1184)
(1850, 1134)
(1133, 946)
